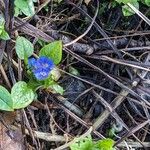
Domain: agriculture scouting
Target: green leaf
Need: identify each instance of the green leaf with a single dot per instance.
(57, 88)
(50, 83)
(21, 95)
(24, 48)
(127, 1)
(111, 132)
(1, 29)
(82, 144)
(4, 35)
(17, 11)
(5, 100)
(127, 11)
(2, 21)
(73, 71)
(53, 51)
(26, 6)
(105, 144)
(147, 2)
(34, 84)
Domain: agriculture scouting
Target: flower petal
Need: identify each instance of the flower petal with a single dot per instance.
(31, 62)
(41, 67)
(41, 75)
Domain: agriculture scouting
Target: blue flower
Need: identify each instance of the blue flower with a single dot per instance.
(41, 67)
(31, 62)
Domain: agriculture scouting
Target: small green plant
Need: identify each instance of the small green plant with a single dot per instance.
(87, 143)
(116, 127)
(128, 11)
(42, 73)
(3, 34)
(24, 6)
(27, 8)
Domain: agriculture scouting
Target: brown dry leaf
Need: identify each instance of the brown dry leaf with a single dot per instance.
(87, 1)
(10, 139)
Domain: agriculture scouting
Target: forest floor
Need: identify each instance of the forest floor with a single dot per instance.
(104, 73)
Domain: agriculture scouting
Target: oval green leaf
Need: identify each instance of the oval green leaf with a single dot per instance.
(82, 144)
(127, 11)
(57, 88)
(106, 144)
(26, 6)
(53, 51)
(4, 35)
(21, 95)
(24, 48)
(147, 2)
(5, 100)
